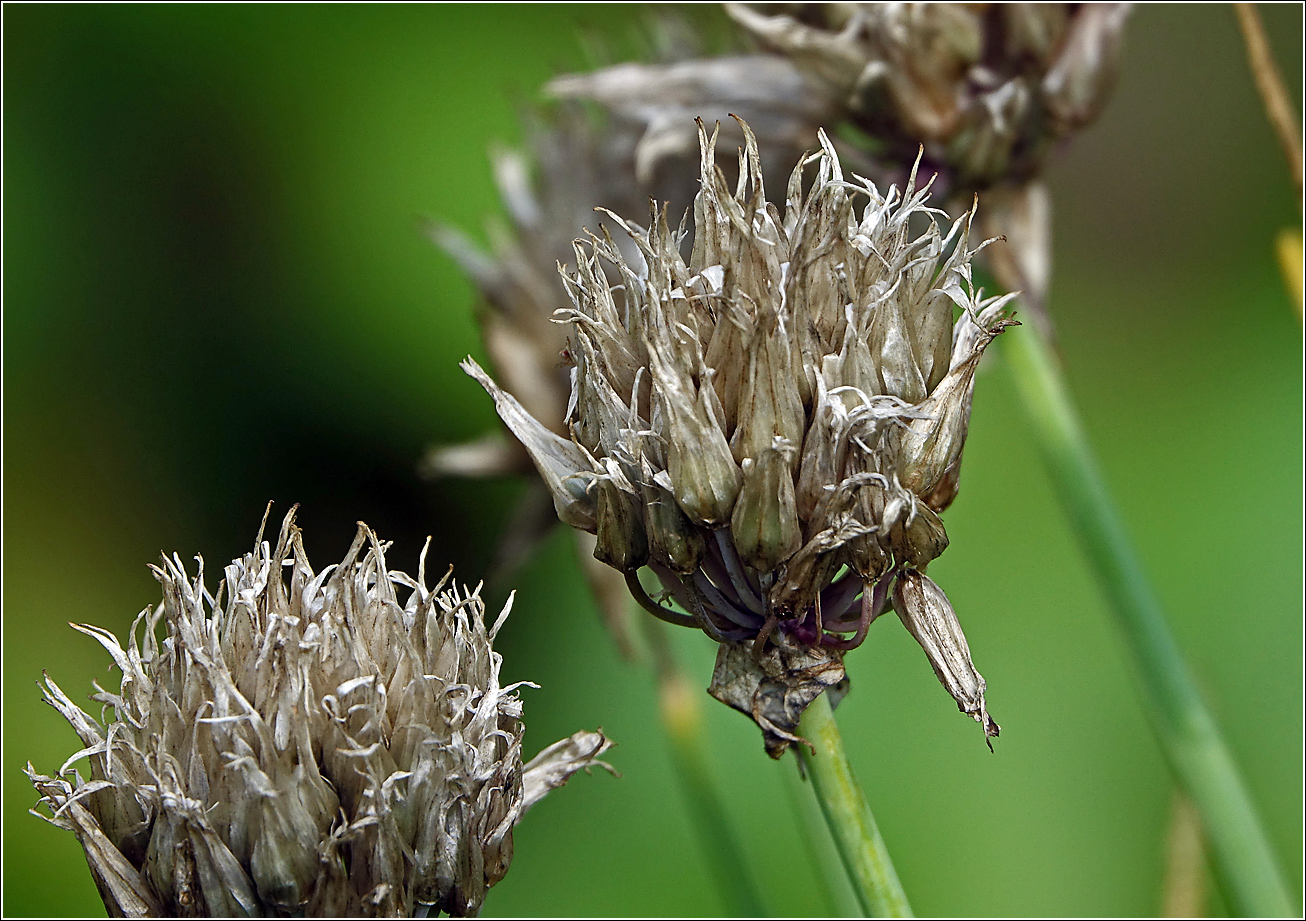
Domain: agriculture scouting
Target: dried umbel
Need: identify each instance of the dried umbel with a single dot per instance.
(577, 165)
(773, 425)
(322, 744)
(987, 88)
(988, 91)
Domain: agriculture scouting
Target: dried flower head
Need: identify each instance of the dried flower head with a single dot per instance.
(987, 88)
(577, 165)
(324, 744)
(773, 425)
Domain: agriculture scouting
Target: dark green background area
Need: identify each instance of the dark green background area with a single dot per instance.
(216, 293)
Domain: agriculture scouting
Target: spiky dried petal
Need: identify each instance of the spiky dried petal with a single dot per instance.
(553, 766)
(561, 465)
(925, 612)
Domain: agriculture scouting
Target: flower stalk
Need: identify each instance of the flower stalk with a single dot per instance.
(1183, 892)
(1244, 861)
(856, 836)
(1269, 83)
(827, 866)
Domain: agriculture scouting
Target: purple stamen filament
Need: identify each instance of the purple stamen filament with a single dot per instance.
(724, 599)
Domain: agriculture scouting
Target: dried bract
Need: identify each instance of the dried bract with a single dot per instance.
(774, 688)
(303, 743)
(765, 424)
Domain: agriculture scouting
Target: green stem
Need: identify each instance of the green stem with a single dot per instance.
(682, 718)
(851, 824)
(1243, 859)
(827, 865)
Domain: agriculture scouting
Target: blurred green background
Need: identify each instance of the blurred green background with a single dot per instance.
(216, 293)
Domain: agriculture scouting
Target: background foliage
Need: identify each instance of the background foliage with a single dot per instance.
(216, 294)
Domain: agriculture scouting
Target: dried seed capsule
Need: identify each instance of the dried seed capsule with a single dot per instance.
(765, 525)
(704, 476)
(561, 464)
(673, 539)
(933, 442)
(622, 539)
